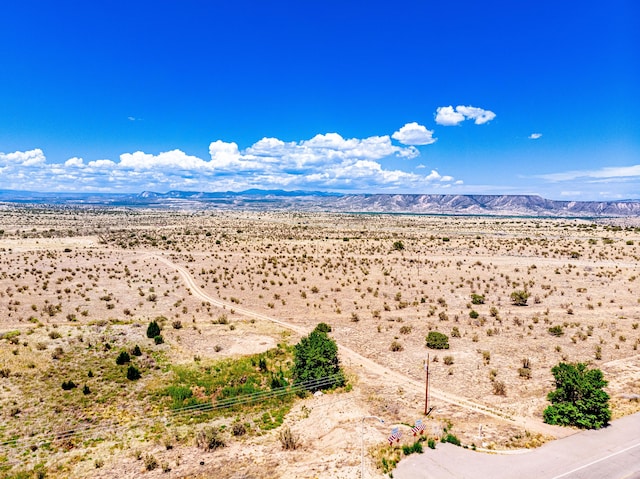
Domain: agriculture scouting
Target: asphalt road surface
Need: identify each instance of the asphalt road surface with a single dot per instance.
(609, 453)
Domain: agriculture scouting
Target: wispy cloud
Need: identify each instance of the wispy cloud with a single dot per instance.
(535, 136)
(448, 116)
(606, 173)
(414, 134)
(571, 194)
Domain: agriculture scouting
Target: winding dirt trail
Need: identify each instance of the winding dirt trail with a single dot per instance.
(372, 367)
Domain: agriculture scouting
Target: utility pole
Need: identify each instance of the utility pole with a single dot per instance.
(427, 409)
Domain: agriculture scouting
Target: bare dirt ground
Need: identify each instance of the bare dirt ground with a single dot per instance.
(74, 278)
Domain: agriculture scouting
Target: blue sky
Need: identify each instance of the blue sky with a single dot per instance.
(458, 97)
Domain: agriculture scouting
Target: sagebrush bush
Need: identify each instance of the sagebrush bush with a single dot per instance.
(519, 298)
(288, 439)
(499, 388)
(238, 429)
(150, 462)
(209, 439)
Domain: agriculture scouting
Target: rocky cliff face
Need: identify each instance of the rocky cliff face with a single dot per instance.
(484, 204)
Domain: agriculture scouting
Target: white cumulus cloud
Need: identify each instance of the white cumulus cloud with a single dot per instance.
(25, 158)
(535, 136)
(414, 134)
(75, 161)
(448, 116)
(325, 162)
(174, 159)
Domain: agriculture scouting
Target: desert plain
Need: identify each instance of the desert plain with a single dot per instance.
(79, 285)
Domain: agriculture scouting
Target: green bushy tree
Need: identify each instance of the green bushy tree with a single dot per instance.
(579, 399)
(316, 362)
(437, 340)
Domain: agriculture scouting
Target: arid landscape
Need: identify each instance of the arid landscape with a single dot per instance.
(79, 286)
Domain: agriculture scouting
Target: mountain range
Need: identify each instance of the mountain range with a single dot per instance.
(279, 200)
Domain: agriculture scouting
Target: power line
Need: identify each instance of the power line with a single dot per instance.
(262, 396)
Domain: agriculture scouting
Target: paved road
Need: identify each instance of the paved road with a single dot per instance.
(610, 453)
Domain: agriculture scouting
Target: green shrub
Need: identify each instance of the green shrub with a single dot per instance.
(398, 246)
(136, 351)
(437, 340)
(451, 439)
(410, 449)
(10, 335)
(431, 443)
(153, 330)
(477, 299)
(133, 373)
(556, 330)
(323, 327)
(158, 339)
(519, 298)
(473, 314)
(68, 385)
(123, 358)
